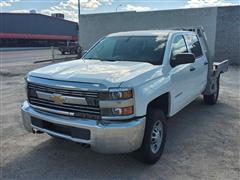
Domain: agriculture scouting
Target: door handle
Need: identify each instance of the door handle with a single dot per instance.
(192, 68)
(205, 63)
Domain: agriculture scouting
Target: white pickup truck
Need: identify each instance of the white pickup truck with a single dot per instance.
(117, 97)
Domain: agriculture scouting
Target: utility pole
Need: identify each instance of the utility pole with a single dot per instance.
(79, 12)
(79, 51)
(118, 7)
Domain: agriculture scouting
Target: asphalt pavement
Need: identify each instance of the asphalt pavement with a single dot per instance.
(31, 55)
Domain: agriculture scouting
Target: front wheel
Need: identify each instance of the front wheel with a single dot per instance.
(154, 137)
(212, 98)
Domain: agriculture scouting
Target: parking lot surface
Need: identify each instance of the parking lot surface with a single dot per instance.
(31, 55)
(203, 142)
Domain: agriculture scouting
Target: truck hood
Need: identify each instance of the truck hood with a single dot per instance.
(108, 73)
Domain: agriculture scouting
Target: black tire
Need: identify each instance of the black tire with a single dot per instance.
(212, 98)
(146, 153)
(72, 51)
(63, 52)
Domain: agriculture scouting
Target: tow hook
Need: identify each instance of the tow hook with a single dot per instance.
(35, 131)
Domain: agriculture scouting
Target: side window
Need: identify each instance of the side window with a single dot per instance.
(194, 45)
(179, 46)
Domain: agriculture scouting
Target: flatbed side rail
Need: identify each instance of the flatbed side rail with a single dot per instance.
(220, 67)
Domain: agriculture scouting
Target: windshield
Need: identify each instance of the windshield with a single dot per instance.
(129, 48)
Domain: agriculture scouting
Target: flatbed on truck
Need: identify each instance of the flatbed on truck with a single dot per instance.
(118, 96)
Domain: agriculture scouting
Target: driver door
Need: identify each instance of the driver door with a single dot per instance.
(182, 77)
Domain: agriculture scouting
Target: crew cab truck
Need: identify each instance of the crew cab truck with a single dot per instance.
(117, 97)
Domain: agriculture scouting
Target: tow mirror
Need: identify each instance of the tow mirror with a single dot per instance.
(183, 58)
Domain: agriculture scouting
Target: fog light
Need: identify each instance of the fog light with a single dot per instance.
(123, 111)
(117, 111)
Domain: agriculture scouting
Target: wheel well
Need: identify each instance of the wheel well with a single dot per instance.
(162, 102)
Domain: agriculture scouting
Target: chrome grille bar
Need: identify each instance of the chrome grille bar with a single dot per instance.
(77, 103)
(64, 107)
(68, 105)
(64, 91)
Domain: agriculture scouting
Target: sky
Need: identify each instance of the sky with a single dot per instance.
(69, 7)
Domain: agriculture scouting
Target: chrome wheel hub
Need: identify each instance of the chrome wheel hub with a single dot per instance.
(156, 136)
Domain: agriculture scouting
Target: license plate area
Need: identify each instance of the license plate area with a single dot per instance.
(79, 133)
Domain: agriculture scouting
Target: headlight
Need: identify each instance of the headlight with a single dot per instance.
(120, 93)
(117, 103)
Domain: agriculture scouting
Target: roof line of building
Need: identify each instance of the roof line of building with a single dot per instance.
(34, 14)
(158, 10)
(37, 36)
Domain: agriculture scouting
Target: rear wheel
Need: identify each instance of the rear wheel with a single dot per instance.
(154, 137)
(63, 52)
(212, 98)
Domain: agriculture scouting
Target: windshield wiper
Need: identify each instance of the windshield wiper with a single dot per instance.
(94, 59)
(112, 60)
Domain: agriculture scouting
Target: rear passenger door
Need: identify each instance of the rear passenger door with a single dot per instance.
(200, 65)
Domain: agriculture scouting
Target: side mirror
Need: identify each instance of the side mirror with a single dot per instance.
(183, 58)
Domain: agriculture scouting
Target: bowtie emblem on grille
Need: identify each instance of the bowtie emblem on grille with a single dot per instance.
(57, 98)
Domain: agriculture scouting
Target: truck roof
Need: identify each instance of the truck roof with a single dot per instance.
(145, 33)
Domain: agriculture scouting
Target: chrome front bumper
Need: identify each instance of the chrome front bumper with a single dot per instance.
(115, 137)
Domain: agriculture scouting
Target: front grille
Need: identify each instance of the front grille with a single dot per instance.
(89, 111)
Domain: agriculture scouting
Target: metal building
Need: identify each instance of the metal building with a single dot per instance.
(29, 29)
(221, 24)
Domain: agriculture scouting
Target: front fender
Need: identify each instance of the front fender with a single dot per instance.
(149, 91)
